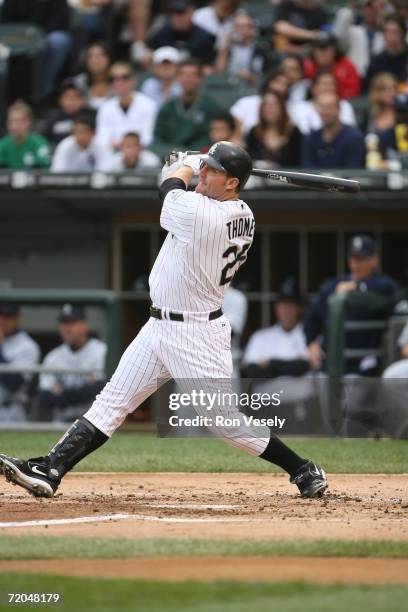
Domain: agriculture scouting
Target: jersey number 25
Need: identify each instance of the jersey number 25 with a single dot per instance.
(239, 258)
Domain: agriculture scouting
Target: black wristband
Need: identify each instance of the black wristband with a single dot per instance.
(170, 184)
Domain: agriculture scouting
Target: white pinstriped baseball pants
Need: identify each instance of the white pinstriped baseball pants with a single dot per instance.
(181, 350)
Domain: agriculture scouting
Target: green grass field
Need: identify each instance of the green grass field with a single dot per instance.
(54, 547)
(146, 453)
(139, 596)
(130, 452)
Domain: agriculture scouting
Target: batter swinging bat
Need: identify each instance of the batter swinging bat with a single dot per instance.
(304, 179)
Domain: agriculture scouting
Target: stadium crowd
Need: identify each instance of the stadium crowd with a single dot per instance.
(299, 83)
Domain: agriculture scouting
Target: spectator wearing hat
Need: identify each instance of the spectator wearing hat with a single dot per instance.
(21, 148)
(297, 23)
(179, 31)
(71, 391)
(363, 276)
(79, 152)
(163, 85)
(335, 145)
(17, 349)
(59, 122)
(127, 111)
(394, 58)
(326, 55)
(359, 32)
(131, 156)
(184, 122)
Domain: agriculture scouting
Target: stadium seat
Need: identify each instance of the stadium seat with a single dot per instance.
(25, 41)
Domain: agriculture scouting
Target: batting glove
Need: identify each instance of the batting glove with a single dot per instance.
(193, 161)
(174, 161)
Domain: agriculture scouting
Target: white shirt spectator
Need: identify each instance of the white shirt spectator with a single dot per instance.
(276, 343)
(152, 88)
(112, 122)
(69, 157)
(246, 110)
(306, 118)
(91, 356)
(207, 19)
(114, 163)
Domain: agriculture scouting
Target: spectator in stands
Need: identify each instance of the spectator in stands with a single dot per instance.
(363, 276)
(21, 148)
(274, 140)
(293, 68)
(240, 54)
(131, 156)
(126, 111)
(325, 55)
(80, 152)
(163, 85)
(179, 31)
(94, 81)
(305, 114)
(246, 109)
(297, 23)
(71, 391)
(394, 58)
(17, 349)
(223, 127)
(335, 145)
(58, 124)
(382, 116)
(92, 19)
(53, 17)
(217, 18)
(360, 38)
(184, 122)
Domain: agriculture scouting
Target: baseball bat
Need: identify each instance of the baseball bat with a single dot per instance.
(311, 181)
(304, 179)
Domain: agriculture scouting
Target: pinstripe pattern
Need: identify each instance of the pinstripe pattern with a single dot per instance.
(186, 278)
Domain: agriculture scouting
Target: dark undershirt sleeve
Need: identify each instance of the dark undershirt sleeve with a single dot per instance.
(170, 184)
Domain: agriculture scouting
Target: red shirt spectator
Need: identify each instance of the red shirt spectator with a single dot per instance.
(326, 56)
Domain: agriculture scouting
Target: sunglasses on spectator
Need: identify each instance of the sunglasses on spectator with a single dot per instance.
(120, 77)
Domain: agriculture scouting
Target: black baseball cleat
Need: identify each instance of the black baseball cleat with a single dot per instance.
(310, 479)
(36, 475)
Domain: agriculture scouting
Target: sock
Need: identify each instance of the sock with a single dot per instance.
(277, 452)
(81, 439)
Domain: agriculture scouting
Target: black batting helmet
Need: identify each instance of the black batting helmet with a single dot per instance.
(231, 158)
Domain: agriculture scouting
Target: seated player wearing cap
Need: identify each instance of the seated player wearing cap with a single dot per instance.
(363, 276)
(280, 350)
(17, 349)
(71, 392)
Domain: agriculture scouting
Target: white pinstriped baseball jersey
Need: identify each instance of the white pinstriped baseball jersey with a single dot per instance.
(207, 242)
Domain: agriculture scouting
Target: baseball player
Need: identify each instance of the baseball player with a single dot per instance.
(187, 335)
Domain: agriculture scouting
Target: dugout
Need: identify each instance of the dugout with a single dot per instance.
(101, 232)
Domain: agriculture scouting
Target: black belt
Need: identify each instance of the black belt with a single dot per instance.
(177, 316)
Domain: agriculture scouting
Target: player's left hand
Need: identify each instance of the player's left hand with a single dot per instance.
(174, 161)
(193, 161)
